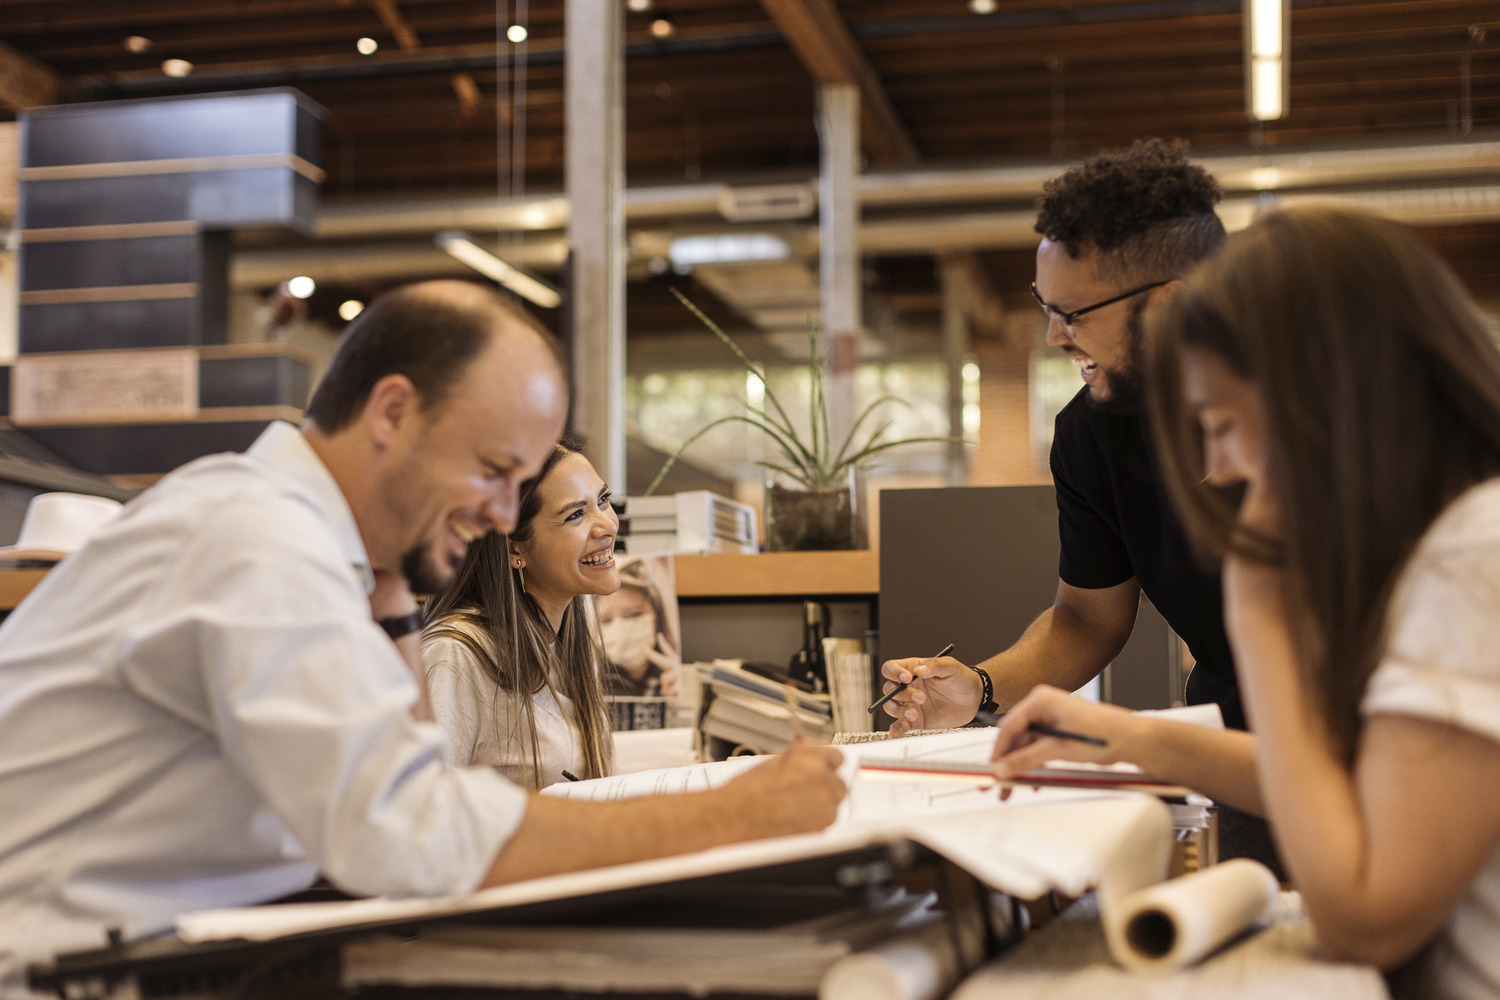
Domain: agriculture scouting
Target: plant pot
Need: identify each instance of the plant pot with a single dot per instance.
(799, 519)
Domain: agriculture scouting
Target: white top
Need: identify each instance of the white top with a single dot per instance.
(196, 710)
(484, 723)
(1442, 663)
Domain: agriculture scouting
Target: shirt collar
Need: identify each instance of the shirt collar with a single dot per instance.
(283, 448)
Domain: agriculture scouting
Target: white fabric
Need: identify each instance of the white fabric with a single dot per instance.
(196, 710)
(1442, 663)
(484, 723)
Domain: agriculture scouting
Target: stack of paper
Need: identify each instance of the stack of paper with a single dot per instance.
(759, 714)
(849, 685)
(695, 521)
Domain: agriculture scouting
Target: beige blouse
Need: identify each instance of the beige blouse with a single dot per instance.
(483, 722)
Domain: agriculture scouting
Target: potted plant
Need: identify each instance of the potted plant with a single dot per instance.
(812, 492)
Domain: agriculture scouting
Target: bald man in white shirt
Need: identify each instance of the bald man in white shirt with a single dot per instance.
(219, 697)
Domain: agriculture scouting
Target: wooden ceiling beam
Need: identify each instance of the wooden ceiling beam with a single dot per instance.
(24, 82)
(821, 39)
(395, 23)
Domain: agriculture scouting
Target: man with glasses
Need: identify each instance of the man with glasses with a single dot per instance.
(1119, 231)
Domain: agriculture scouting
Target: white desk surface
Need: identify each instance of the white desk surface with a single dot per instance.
(1068, 960)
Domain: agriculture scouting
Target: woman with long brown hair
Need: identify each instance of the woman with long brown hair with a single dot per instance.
(1333, 372)
(515, 670)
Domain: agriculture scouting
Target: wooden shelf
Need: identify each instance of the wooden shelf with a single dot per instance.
(779, 574)
(770, 574)
(16, 584)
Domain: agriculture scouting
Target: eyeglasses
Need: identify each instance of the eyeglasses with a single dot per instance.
(1067, 319)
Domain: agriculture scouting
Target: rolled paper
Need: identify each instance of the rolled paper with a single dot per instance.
(1176, 923)
(917, 963)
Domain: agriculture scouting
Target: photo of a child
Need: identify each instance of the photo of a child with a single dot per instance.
(639, 625)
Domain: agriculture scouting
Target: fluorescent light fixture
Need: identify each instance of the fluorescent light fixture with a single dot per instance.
(366, 46)
(1266, 57)
(301, 287)
(1266, 99)
(461, 246)
(689, 251)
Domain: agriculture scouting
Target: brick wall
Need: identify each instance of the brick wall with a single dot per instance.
(1004, 456)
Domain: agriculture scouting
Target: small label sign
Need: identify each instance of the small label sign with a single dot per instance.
(104, 387)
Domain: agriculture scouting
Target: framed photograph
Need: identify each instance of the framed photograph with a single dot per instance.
(642, 637)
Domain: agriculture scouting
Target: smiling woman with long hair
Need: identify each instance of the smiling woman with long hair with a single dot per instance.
(1333, 370)
(514, 664)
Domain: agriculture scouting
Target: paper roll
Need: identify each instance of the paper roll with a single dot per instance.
(1173, 924)
(918, 963)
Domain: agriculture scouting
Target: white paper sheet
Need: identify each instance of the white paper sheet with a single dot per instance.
(1027, 850)
(1035, 843)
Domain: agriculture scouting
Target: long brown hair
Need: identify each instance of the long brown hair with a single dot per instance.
(516, 644)
(1381, 389)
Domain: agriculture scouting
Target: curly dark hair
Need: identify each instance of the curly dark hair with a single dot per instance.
(1146, 209)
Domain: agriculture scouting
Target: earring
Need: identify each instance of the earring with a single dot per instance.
(521, 574)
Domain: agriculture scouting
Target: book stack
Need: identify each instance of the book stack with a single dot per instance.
(760, 714)
(696, 521)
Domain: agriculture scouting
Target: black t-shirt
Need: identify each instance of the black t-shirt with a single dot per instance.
(1115, 522)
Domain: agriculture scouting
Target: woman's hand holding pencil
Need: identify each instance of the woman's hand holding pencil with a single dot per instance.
(1050, 724)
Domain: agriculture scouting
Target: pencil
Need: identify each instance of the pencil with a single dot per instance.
(902, 687)
(991, 719)
(791, 710)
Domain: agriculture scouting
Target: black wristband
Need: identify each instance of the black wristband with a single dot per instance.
(987, 696)
(401, 624)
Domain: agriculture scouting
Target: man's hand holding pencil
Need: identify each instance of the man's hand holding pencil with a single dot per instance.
(930, 692)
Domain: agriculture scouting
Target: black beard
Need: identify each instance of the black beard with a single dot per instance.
(1127, 389)
(422, 576)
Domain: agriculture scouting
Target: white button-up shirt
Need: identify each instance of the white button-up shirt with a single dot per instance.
(196, 710)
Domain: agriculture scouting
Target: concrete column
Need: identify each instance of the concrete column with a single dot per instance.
(838, 231)
(955, 352)
(595, 176)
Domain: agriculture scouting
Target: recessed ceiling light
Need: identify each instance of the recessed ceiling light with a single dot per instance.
(350, 308)
(366, 46)
(137, 44)
(516, 33)
(663, 27)
(301, 287)
(176, 67)
(638, 6)
(983, 6)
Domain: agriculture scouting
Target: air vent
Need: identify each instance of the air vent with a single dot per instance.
(767, 201)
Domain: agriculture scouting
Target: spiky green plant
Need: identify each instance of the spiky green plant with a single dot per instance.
(811, 463)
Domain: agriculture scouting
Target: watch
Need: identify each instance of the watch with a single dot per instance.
(401, 624)
(987, 696)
